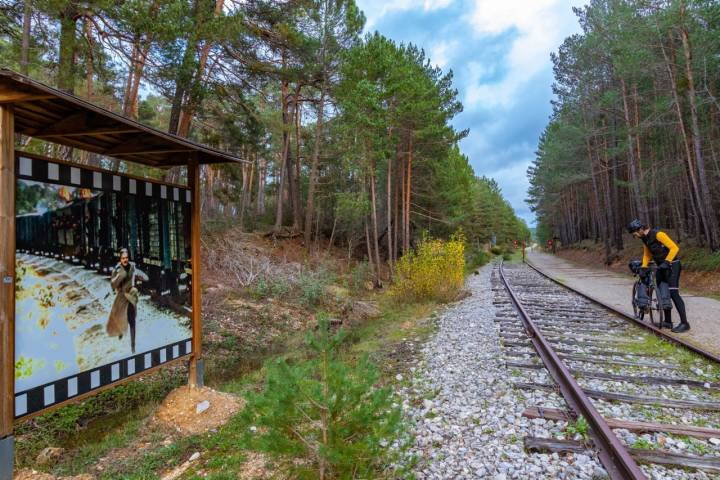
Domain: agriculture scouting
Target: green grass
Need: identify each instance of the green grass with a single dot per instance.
(652, 345)
(87, 453)
(700, 259)
(513, 257)
(105, 417)
(643, 444)
(396, 321)
(151, 463)
(578, 427)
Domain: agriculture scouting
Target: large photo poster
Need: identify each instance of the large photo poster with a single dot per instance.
(103, 280)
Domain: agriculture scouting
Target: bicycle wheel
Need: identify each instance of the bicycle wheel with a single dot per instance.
(656, 311)
(636, 309)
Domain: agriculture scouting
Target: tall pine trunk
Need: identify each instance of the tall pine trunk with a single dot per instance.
(262, 177)
(695, 198)
(639, 201)
(68, 47)
(711, 222)
(312, 178)
(25, 43)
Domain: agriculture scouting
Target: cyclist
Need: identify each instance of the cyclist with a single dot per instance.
(658, 246)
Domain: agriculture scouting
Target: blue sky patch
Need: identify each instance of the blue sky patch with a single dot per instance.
(499, 52)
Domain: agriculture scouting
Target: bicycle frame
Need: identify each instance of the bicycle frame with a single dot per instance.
(654, 307)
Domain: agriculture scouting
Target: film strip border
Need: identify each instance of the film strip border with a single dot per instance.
(60, 173)
(44, 396)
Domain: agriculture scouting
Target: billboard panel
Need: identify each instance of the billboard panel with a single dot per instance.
(102, 280)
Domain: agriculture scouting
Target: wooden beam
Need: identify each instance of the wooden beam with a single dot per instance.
(92, 132)
(629, 425)
(82, 124)
(196, 372)
(71, 123)
(7, 270)
(142, 144)
(8, 96)
(708, 464)
(626, 398)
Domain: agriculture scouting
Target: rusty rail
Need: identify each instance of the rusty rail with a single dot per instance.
(637, 321)
(614, 456)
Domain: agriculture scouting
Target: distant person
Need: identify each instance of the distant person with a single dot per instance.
(124, 308)
(658, 246)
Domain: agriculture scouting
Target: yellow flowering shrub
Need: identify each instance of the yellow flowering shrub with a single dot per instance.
(435, 271)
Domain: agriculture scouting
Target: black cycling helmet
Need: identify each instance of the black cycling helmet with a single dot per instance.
(635, 225)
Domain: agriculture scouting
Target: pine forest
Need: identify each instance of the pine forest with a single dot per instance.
(635, 130)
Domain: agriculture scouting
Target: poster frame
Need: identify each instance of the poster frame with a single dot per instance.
(114, 373)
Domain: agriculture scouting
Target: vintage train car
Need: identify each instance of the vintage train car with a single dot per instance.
(90, 231)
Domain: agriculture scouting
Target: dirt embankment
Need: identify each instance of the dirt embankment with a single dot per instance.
(701, 282)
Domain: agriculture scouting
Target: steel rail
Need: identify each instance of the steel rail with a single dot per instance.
(677, 341)
(614, 456)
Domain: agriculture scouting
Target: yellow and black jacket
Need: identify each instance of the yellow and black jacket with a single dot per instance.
(659, 247)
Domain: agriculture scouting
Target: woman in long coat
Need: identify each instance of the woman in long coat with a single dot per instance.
(124, 308)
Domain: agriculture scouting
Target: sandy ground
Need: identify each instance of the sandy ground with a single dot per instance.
(616, 290)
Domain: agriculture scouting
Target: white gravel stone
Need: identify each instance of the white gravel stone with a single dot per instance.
(468, 420)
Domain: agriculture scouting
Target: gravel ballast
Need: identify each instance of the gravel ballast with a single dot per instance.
(465, 414)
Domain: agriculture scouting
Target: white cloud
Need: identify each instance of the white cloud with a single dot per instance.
(430, 5)
(441, 53)
(376, 9)
(514, 184)
(539, 25)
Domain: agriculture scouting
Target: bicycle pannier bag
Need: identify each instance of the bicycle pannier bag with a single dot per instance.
(664, 295)
(642, 298)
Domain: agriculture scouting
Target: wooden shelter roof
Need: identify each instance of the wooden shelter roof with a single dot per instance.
(59, 117)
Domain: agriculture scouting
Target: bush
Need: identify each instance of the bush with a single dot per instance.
(496, 250)
(266, 288)
(700, 259)
(311, 290)
(436, 271)
(323, 418)
(359, 275)
(475, 258)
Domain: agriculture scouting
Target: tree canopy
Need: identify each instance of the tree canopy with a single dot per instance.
(348, 139)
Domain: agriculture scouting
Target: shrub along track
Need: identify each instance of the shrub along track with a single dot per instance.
(644, 400)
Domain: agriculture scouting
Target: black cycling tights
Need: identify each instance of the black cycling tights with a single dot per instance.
(672, 277)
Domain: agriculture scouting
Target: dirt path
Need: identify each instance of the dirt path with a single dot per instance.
(615, 289)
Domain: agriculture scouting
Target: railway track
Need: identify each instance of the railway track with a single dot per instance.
(647, 408)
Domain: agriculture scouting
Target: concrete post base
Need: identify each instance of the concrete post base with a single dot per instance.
(7, 454)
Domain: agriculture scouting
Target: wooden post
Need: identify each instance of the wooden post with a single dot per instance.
(196, 363)
(7, 289)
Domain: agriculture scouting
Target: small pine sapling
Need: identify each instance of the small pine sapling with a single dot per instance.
(322, 417)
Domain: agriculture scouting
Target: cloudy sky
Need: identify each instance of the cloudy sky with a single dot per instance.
(499, 51)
